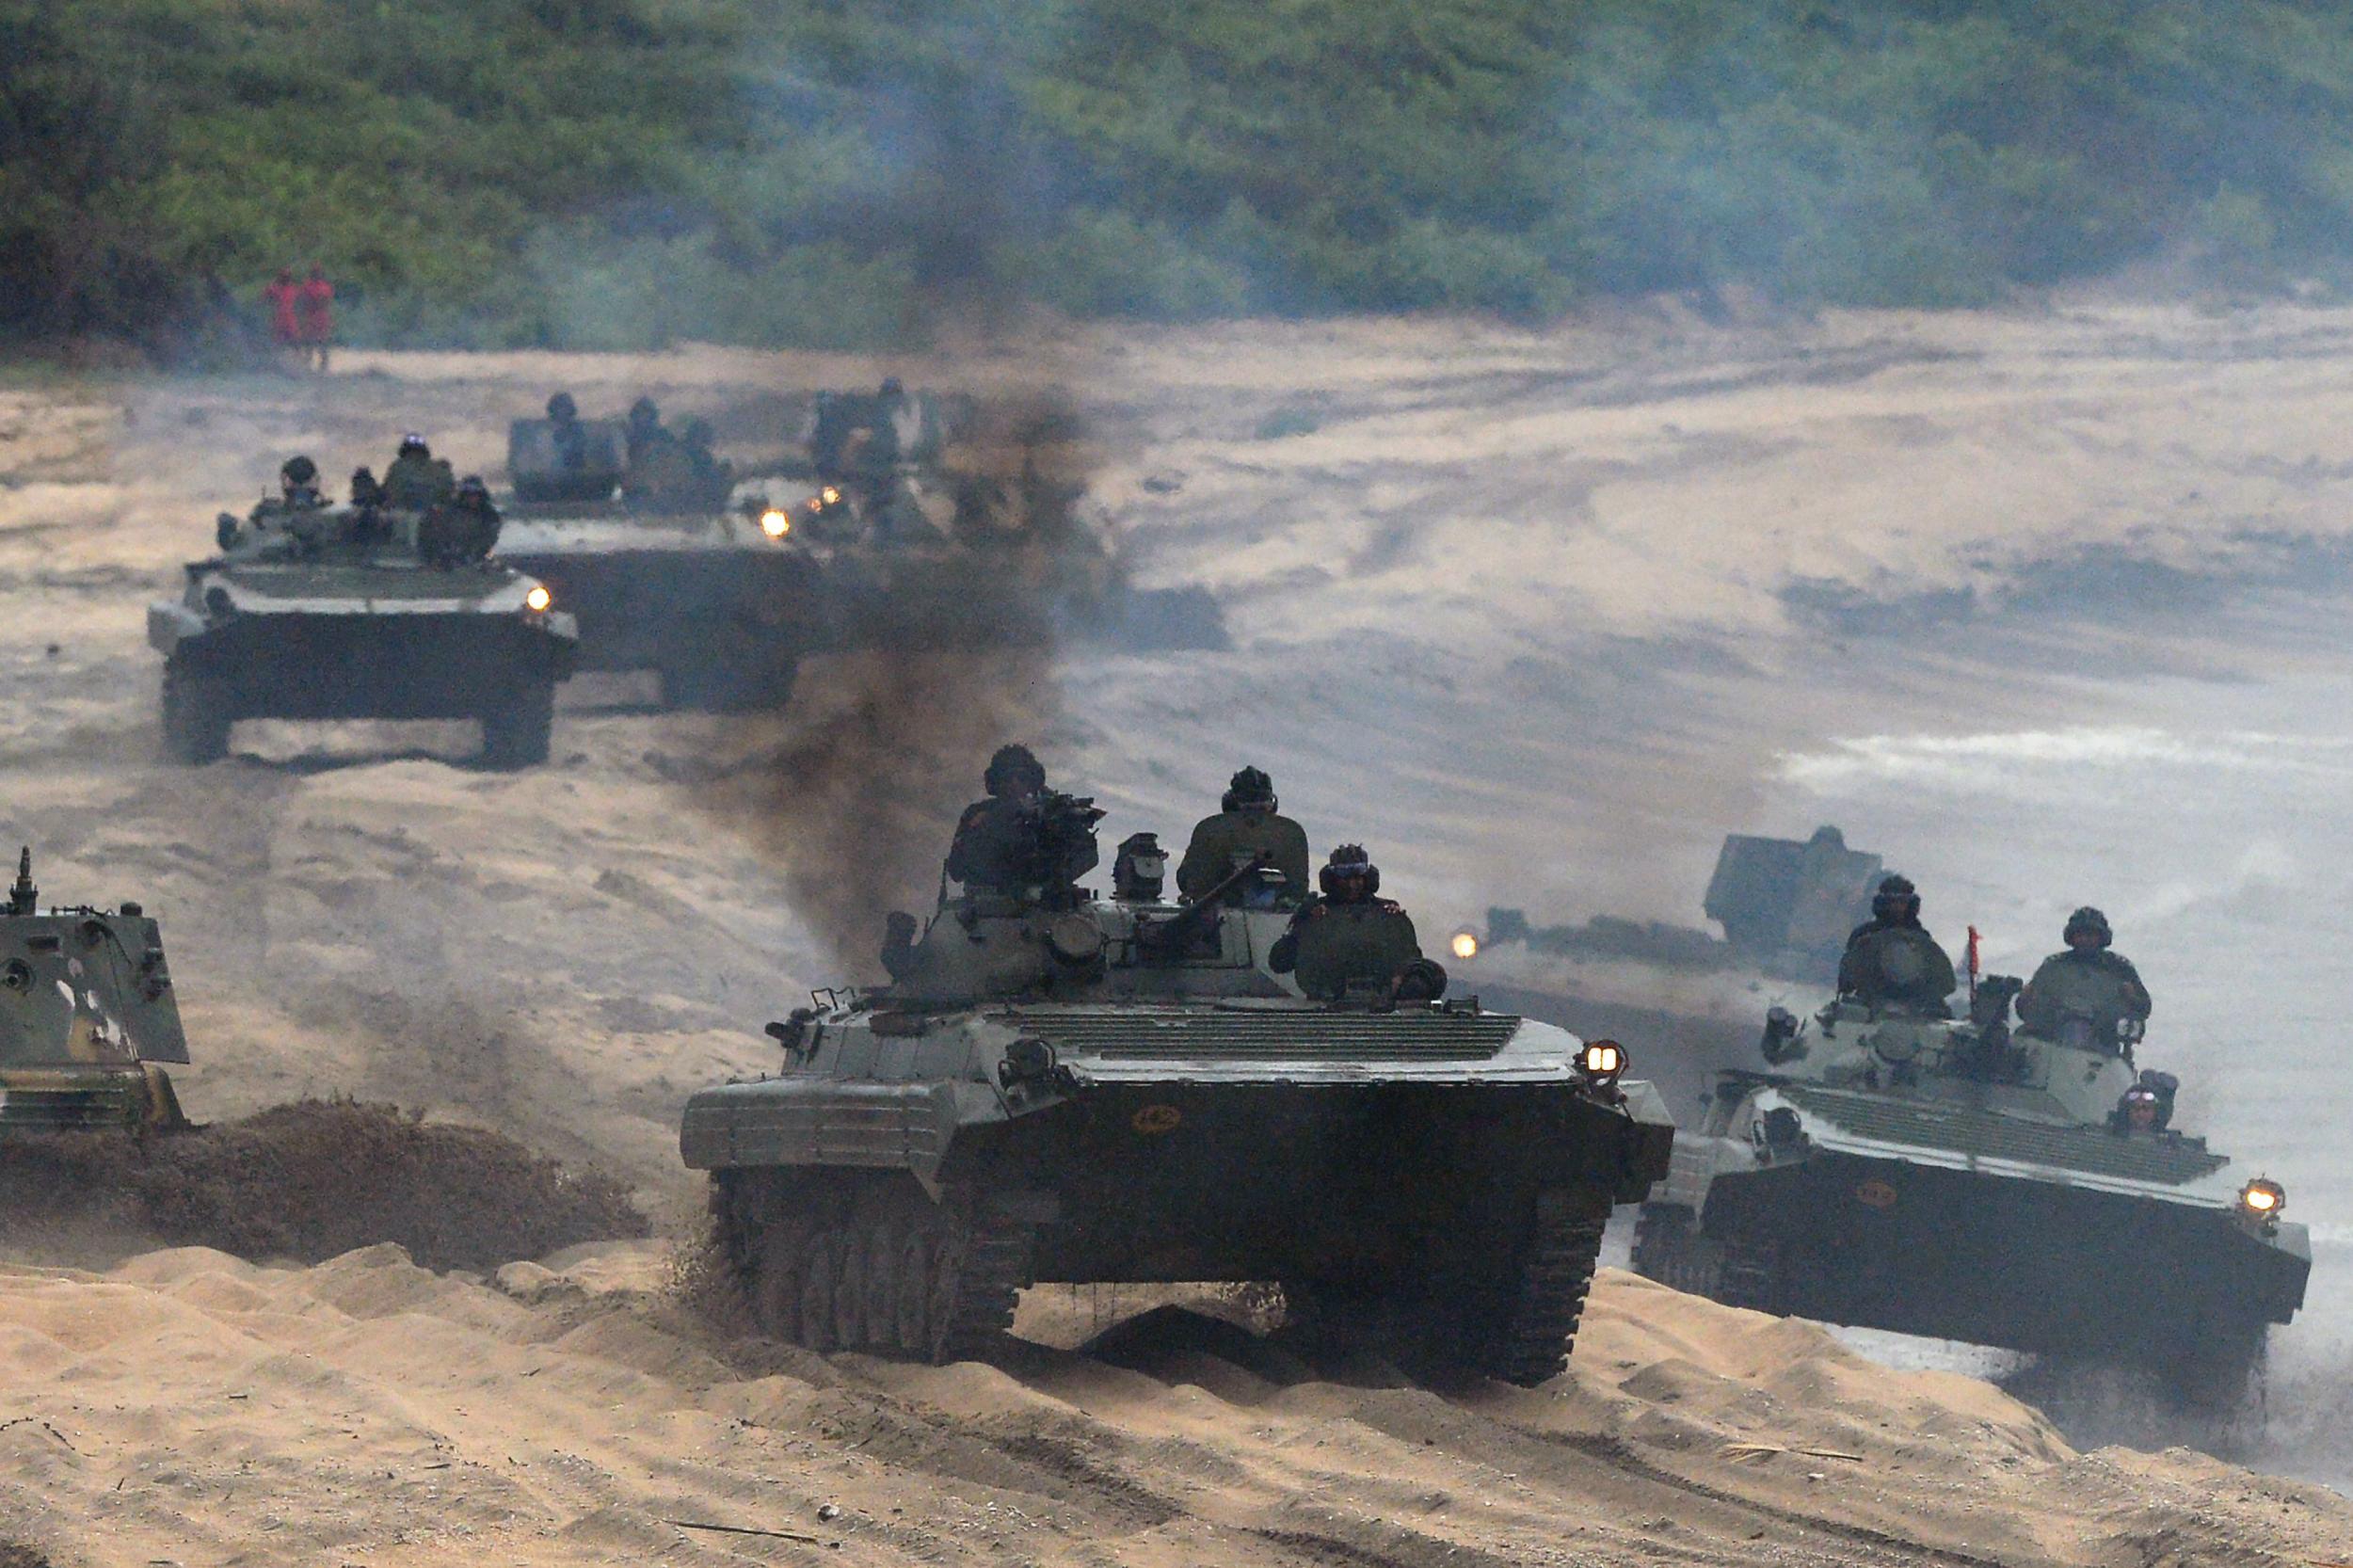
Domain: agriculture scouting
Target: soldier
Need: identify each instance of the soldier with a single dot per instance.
(711, 477)
(1890, 961)
(2087, 984)
(463, 528)
(564, 435)
(1348, 935)
(298, 485)
(1022, 840)
(418, 479)
(1247, 825)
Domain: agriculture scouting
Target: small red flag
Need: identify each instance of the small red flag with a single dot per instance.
(1972, 962)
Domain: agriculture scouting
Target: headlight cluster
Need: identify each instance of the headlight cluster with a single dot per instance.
(776, 523)
(2264, 1198)
(1602, 1061)
(537, 598)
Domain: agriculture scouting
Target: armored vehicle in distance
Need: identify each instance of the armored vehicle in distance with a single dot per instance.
(1092, 1090)
(88, 1018)
(1962, 1179)
(363, 611)
(712, 597)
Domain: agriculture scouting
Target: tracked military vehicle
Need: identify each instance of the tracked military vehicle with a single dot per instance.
(1966, 1179)
(88, 1018)
(683, 580)
(1088, 1089)
(360, 613)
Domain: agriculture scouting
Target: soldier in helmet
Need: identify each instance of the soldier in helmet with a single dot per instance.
(2087, 982)
(1892, 962)
(1348, 936)
(564, 435)
(1022, 841)
(418, 479)
(298, 485)
(463, 528)
(1247, 825)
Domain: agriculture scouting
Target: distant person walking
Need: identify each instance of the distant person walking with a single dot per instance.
(284, 298)
(315, 317)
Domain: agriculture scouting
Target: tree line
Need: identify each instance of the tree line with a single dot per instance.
(615, 173)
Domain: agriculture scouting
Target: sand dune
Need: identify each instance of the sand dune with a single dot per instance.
(189, 1407)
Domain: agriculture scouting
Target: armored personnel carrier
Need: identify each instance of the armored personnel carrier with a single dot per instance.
(88, 1018)
(363, 611)
(1963, 1180)
(707, 592)
(1075, 1088)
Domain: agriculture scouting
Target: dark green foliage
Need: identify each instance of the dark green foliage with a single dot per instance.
(613, 173)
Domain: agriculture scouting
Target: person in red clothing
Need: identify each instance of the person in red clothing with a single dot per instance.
(315, 317)
(284, 297)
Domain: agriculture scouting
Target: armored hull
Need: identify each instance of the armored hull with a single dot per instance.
(88, 1020)
(719, 609)
(1975, 1194)
(271, 629)
(1437, 1168)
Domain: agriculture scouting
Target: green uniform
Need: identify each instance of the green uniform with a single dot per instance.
(1227, 840)
(417, 481)
(1330, 944)
(1897, 964)
(2088, 983)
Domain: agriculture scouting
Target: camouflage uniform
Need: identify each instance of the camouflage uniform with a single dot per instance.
(990, 852)
(418, 479)
(1227, 840)
(1897, 963)
(2091, 982)
(1330, 944)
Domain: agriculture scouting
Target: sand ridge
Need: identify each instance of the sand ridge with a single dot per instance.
(186, 1406)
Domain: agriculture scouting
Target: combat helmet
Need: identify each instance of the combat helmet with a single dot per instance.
(1350, 876)
(2088, 921)
(1011, 768)
(1250, 790)
(1897, 900)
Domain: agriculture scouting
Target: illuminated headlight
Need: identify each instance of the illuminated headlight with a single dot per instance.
(1466, 944)
(1602, 1059)
(776, 523)
(537, 598)
(828, 497)
(2263, 1197)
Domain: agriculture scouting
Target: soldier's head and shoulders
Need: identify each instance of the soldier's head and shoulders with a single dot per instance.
(1895, 907)
(2089, 945)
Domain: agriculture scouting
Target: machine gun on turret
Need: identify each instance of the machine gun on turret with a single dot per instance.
(1166, 938)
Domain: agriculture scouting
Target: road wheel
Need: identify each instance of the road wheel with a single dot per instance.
(517, 732)
(198, 712)
(820, 1274)
(1670, 1248)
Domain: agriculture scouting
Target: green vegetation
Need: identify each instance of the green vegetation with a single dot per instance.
(831, 173)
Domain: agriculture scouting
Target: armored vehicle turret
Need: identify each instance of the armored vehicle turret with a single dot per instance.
(88, 1018)
(1059, 1086)
(1969, 1179)
(363, 612)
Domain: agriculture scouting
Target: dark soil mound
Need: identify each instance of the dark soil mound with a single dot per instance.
(14, 1556)
(315, 1178)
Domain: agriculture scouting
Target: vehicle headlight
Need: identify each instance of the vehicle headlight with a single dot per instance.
(537, 598)
(828, 496)
(776, 523)
(1602, 1061)
(2263, 1197)
(1466, 944)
